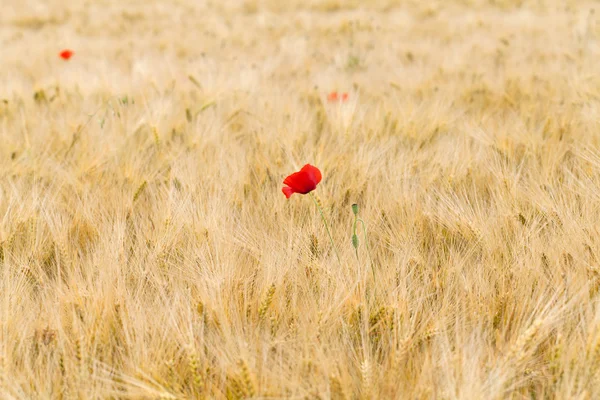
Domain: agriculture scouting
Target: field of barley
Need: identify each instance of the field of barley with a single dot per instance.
(147, 250)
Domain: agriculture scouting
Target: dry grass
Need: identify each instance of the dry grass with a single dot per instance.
(146, 249)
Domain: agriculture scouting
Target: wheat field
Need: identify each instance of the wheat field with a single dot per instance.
(146, 249)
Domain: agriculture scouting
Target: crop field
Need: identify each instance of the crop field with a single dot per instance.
(147, 250)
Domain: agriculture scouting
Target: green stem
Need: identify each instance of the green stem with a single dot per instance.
(367, 246)
(353, 236)
(326, 226)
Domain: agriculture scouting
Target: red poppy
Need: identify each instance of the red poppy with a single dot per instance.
(66, 54)
(333, 96)
(303, 182)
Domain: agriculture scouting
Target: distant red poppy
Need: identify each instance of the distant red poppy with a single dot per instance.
(335, 96)
(66, 54)
(303, 182)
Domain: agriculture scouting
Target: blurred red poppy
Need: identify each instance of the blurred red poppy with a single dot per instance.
(303, 182)
(66, 54)
(335, 96)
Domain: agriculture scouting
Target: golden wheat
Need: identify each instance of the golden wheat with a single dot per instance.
(146, 249)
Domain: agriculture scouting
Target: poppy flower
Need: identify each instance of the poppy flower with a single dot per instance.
(66, 54)
(303, 182)
(335, 96)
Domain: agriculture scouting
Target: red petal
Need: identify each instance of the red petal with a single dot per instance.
(313, 172)
(333, 96)
(304, 181)
(299, 182)
(288, 191)
(66, 54)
